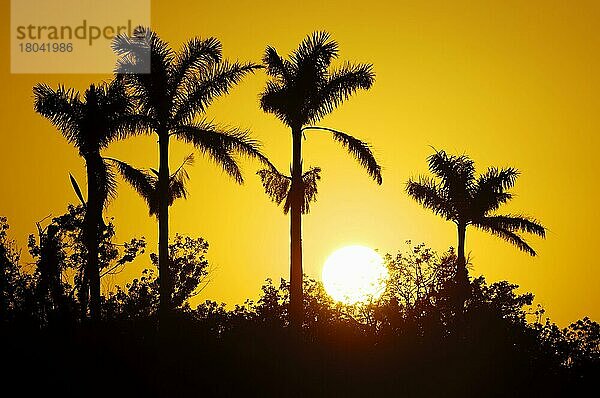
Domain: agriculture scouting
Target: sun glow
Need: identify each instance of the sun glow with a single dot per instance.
(354, 274)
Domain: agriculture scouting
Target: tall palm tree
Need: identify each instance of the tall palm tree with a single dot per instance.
(173, 98)
(302, 90)
(90, 123)
(460, 197)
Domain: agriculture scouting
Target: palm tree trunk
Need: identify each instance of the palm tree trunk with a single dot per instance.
(93, 215)
(296, 299)
(462, 278)
(163, 229)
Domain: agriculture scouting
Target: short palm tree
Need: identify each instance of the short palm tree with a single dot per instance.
(172, 98)
(460, 197)
(302, 90)
(90, 123)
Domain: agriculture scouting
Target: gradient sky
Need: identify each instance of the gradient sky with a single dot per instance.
(510, 83)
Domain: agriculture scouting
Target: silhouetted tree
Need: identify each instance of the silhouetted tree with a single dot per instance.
(461, 197)
(416, 295)
(179, 88)
(577, 347)
(418, 276)
(140, 298)
(302, 90)
(53, 305)
(16, 298)
(189, 267)
(60, 253)
(501, 299)
(90, 124)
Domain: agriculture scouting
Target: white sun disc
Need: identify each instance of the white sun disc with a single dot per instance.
(354, 274)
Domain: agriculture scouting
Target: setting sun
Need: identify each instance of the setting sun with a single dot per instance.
(354, 274)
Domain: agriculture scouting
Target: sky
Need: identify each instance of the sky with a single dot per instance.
(510, 83)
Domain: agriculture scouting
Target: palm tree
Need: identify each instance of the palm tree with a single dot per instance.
(464, 199)
(90, 123)
(177, 91)
(302, 90)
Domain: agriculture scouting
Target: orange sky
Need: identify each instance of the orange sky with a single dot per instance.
(507, 82)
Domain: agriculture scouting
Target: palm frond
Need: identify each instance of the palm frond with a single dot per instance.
(77, 190)
(222, 145)
(309, 187)
(177, 186)
(141, 181)
(178, 180)
(315, 52)
(431, 196)
(276, 66)
(457, 178)
(63, 108)
(133, 124)
(277, 99)
(195, 54)
(211, 143)
(489, 192)
(276, 185)
(119, 110)
(508, 235)
(360, 150)
(452, 170)
(114, 101)
(499, 179)
(188, 161)
(218, 79)
(485, 202)
(131, 52)
(513, 223)
(340, 85)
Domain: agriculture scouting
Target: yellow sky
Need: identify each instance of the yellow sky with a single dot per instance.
(507, 82)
